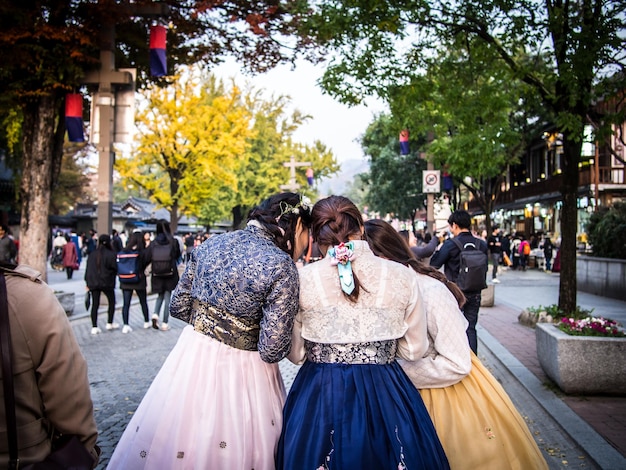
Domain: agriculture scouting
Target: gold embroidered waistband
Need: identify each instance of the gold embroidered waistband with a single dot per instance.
(237, 332)
(374, 352)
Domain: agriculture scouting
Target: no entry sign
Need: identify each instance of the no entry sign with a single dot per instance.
(431, 181)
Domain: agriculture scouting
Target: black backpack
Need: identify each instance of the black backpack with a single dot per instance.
(128, 266)
(472, 268)
(162, 259)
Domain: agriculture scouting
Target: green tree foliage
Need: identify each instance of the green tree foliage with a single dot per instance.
(571, 54)
(607, 231)
(46, 48)
(72, 185)
(357, 191)
(478, 121)
(208, 150)
(394, 180)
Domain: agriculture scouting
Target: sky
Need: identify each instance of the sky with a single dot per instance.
(336, 125)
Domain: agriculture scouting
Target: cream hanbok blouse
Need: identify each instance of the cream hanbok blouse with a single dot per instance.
(448, 359)
(389, 309)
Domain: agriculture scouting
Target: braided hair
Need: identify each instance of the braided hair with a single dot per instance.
(336, 220)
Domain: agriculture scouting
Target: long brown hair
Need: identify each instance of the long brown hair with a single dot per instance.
(387, 243)
(335, 220)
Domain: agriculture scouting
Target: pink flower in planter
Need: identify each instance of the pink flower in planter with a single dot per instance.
(590, 326)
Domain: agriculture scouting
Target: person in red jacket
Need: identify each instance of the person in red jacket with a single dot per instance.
(70, 257)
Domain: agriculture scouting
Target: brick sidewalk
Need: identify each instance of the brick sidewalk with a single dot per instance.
(606, 415)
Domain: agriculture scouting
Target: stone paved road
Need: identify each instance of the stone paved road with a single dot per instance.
(122, 366)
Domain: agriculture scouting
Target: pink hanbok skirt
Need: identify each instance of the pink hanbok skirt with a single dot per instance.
(210, 406)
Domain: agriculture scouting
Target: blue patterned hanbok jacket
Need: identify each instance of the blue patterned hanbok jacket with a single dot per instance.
(247, 277)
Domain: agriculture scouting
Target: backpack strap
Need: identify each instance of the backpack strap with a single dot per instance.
(461, 246)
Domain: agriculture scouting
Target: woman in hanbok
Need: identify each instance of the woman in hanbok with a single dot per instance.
(477, 423)
(351, 406)
(217, 401)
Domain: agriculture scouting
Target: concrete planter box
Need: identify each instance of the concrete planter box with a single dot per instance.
(487, 296)
(67, 301)
(590, 365)
(601, 276)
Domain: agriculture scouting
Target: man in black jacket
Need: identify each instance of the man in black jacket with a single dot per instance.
(449, 256)
(494, 242)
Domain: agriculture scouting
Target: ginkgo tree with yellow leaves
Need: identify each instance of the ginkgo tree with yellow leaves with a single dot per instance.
(262, 171)
(209, 150)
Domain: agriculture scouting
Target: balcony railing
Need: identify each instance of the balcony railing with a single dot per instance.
(606, 175)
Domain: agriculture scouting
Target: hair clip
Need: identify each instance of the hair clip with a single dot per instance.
(341, 256)
(286, 208)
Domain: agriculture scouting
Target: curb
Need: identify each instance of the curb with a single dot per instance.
(599, 451)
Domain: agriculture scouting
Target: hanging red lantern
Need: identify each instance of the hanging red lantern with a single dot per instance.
(158, 61)
(74, 117)
(404, 142)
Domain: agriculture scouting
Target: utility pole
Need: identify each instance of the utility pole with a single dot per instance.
(104, 111)
(292, 164)
(430, 197)
(108, 79)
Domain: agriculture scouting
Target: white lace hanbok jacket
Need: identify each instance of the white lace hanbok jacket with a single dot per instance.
(389, 307)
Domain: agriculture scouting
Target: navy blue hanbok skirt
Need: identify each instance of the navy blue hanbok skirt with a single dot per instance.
(356, 416)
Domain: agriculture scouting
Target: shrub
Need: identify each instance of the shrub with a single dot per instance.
(607, 231)
(555, 312)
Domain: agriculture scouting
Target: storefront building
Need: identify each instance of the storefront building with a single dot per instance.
(530, 201)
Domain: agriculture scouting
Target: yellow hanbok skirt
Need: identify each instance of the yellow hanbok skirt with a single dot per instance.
(478, 425)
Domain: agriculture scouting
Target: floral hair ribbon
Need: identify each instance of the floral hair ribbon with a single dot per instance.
(341, 256)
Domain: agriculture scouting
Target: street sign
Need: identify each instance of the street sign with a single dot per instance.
(431, 181)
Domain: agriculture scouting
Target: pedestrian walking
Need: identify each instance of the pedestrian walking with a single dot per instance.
(494, 243)
(100, 279)
(76, 240)
(135, 248)
(548, 248)
(8, 250)
(91, 242)
(164, 252)
(116, 241)
(515, 252)
(70, 257)
(217, 401)
(351, 406)
(477, 423)
(189, 246)
(449, 256)
(524, 252)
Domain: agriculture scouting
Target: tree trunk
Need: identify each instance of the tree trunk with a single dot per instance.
(39, 160)
(237, 217)
(569, 225)
(174, 218)
(174, 185)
